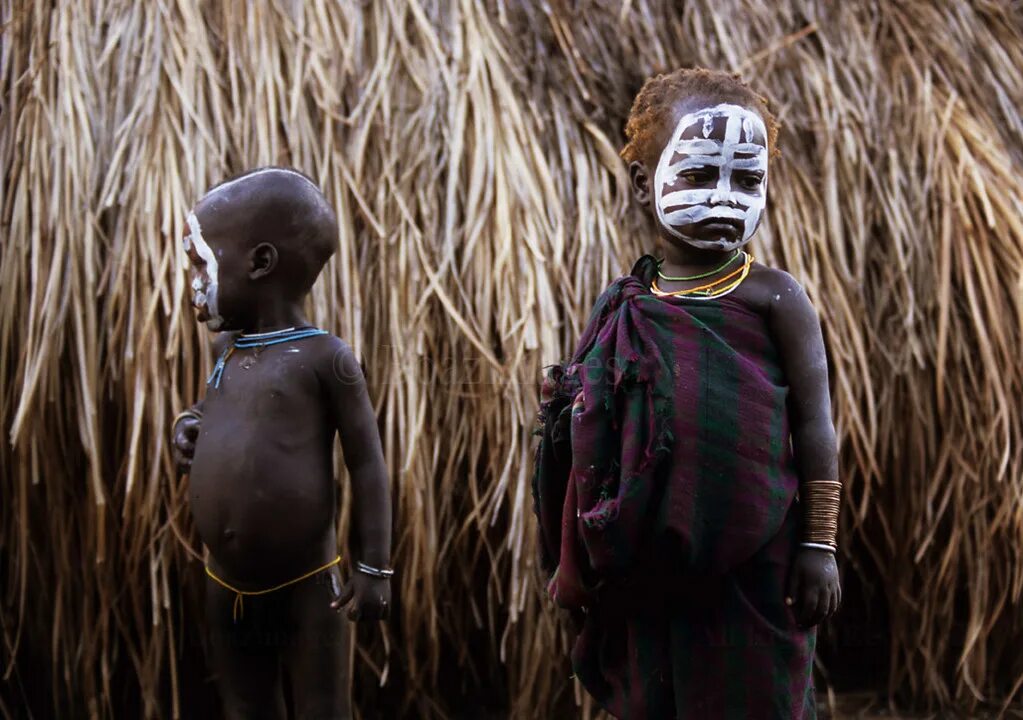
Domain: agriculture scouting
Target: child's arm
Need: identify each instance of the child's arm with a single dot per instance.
(356, 423)
(184, 432)
(813, 581)
(186, 426)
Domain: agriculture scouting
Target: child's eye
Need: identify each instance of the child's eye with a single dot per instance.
(697, 177)
(750, 182)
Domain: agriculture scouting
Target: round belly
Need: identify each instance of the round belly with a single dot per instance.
(267, 518)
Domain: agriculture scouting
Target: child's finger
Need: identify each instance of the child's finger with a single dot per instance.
(183, 444)
(820, 610)
(373, 612)
(832, 603)
(355, 612)
(347, 592)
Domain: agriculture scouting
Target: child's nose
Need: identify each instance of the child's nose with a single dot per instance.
(723, 196)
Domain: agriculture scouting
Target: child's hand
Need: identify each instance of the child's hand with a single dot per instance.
(813, 586)
(185, 432)
(370, 597)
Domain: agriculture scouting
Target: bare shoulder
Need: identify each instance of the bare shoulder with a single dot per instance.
(335, 361)
(773, 290)
(765, 286)
(784, 287)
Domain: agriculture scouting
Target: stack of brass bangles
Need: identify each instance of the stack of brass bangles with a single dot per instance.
(821, 502)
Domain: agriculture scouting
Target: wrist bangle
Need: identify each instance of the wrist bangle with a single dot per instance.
(374, 571)
(822, 501)
(186, 413)
(818, 546)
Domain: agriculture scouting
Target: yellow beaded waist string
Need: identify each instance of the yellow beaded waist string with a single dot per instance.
(238, 610)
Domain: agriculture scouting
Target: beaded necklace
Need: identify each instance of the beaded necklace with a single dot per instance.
(701, 276)
(719, 288)
(259, 340)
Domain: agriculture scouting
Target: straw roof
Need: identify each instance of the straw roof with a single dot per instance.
(469, 148)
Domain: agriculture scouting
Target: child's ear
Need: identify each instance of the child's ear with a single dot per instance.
(262, 260)
(639, 179)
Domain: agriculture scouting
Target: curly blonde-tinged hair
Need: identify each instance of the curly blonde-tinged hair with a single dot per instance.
(654, 104)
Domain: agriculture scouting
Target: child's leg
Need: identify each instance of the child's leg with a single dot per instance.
(245, 655)
(319, 654)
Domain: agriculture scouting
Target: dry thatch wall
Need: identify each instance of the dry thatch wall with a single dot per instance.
(470, 150)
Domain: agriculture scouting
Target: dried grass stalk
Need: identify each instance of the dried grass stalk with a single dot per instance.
(469, 148)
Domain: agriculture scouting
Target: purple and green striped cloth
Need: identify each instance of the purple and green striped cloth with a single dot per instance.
(671, 524)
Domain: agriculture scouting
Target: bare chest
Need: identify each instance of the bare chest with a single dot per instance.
(275, 385)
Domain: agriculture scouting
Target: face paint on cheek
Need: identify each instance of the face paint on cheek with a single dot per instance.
(204, 251)
(738, 150)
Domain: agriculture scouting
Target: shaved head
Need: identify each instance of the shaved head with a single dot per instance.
(280, 207)
(267, 233)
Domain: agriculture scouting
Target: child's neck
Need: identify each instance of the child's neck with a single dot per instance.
(275, 313)
(679, 258)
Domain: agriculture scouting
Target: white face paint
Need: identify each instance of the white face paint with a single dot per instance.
(205, 289)
(723, 151)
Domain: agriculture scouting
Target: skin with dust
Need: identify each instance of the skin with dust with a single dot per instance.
(205, 288)
(713, 173)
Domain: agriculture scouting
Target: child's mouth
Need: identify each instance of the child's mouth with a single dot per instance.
(729, 225)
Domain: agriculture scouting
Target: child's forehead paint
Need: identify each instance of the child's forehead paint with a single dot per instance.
(202, 248)
(750, 123)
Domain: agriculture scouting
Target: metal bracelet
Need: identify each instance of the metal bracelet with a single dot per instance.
(818, 546)
(374, 571)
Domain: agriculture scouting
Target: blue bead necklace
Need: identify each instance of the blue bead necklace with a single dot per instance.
(259, 340)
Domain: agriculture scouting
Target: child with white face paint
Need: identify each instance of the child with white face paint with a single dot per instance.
(258, 450)
(711, 179)
(689, 439)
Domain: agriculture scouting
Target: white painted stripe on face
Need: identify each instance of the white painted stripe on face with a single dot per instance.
(204, 251)
(696, 161)
(699, 213)
(750, 148)
(723, 201)
(698, 147)
(688, 197)
(702, 196)
(758, 161)
(691, 160)
(749, 164)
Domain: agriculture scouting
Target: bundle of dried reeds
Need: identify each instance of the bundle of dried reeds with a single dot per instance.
(470, 150)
